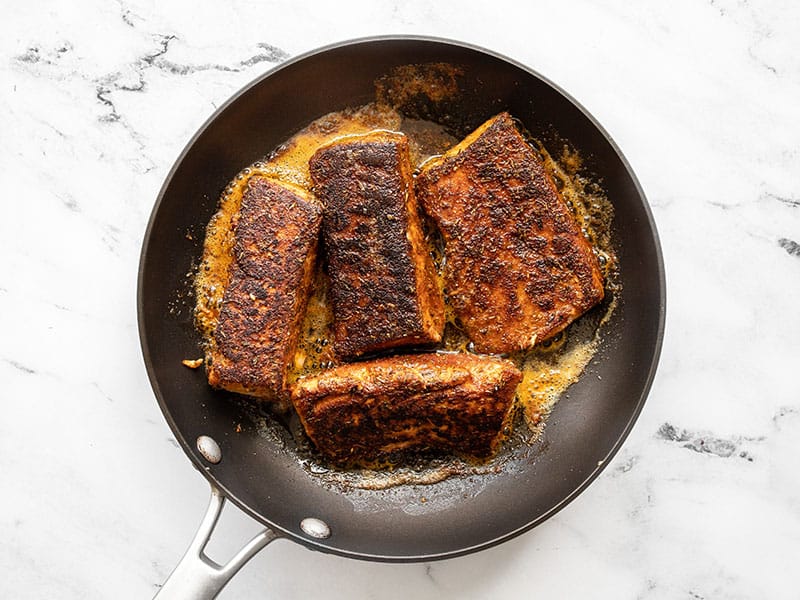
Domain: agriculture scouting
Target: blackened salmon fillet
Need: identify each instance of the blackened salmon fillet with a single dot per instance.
(383, 286)
(274, 252)
(519, 269)
(362, 412)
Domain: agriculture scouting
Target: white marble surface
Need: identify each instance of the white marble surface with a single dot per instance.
(96, 101)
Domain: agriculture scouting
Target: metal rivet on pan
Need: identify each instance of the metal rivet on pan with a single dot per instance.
(209, 449)
(316, 528)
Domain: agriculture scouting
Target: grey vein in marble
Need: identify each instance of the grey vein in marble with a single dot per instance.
(107, 84)
(786, 200)
(783, 412)
(627, 464)
(791, 247)
(706, 443)
(20, 367)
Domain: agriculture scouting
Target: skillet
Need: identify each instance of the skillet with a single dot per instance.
(262, 475)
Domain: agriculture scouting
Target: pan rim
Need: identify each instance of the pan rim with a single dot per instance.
(603, 461)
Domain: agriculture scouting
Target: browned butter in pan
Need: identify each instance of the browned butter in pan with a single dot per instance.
(548, 369)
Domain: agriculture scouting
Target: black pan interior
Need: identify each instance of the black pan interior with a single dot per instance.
(583, 432)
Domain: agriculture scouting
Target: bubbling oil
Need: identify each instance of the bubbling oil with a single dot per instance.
(548, 369)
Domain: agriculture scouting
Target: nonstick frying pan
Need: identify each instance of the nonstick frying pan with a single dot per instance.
(263, 477)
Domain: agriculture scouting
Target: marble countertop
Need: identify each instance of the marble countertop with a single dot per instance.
(98, 98)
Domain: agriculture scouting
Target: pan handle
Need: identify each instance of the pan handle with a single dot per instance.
(197, 577)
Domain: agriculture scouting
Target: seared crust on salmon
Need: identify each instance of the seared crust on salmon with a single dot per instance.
(518, 268)
(361, 412)
(383, 285)
(275, 247)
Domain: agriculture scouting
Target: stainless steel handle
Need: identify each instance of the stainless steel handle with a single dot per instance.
(197, 577)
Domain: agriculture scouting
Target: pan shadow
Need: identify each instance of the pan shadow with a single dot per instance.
(288, 570)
